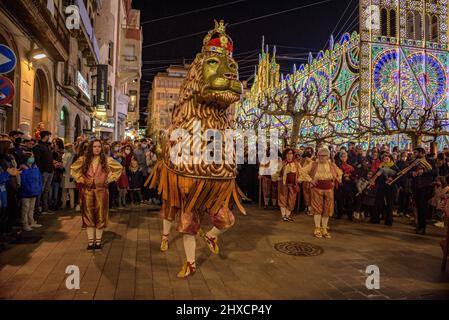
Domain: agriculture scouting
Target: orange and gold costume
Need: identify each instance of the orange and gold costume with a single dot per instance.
(323, 176)
(306, 185)
(288, 186)
(192, 189)
(189, 190)
(94, 194)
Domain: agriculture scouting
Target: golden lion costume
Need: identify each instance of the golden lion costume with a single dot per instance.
(189, 190)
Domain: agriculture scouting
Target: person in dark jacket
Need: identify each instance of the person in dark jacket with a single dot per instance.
(58, 151)
(403, 185)
(352, 154)
(443, 168)
(135, 179)
(44, 161)
(30, 190)
(17, 138)
(7, 173)
(422, 187)
(385, 193)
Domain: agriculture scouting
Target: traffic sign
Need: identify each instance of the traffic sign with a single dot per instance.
(6, 91)
(8, 59)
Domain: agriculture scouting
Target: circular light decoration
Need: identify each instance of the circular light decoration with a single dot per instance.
(386, 76)
(428, 77)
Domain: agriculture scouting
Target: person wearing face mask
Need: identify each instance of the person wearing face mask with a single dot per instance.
(128, 155)
(30, 190)
(44, 160)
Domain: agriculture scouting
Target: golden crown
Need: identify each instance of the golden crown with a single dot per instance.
(218, 41)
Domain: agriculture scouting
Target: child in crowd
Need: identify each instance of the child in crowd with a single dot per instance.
(30, 190)
(122, 185)
(135, 179)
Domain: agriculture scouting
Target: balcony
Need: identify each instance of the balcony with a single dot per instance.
(69, 84)
(87, 37)
(131, 52)
(47, 27)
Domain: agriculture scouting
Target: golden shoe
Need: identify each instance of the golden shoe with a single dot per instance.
(317, 233)
(325, 233)
(164, 245)
(188, 269)
(212, 243)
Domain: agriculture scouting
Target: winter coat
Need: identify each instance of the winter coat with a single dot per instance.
(44, 157)
(59, 170)
(135, 179)
(31, 182)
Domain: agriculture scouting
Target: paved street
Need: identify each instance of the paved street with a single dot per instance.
(131, 266)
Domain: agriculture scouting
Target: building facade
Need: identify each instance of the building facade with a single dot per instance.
(400, 57)
(58, 86)
(164, 94)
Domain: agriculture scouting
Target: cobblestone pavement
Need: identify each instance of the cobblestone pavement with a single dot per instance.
(130, 266)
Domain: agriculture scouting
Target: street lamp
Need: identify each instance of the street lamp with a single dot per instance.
(37, 54)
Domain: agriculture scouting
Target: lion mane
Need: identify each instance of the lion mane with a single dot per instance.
(192, 107)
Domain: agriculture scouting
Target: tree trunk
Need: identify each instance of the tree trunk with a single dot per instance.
(416, 140)
(295, 131)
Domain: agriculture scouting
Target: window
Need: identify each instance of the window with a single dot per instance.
(427, 29)
(111, 53)
(37, 101)
(410, 25)
(133, 101)
(393, 32)
(418, 26)
(130, 53)
(384, 22)
(435, 34)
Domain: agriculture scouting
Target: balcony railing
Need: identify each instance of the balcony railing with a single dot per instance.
(129, 58)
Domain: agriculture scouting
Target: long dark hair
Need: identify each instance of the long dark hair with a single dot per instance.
(286, 151)
(90, 155)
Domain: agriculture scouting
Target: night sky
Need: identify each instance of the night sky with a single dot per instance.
(295, 33)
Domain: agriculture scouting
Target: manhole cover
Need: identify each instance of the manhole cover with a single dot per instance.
(295, 248)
